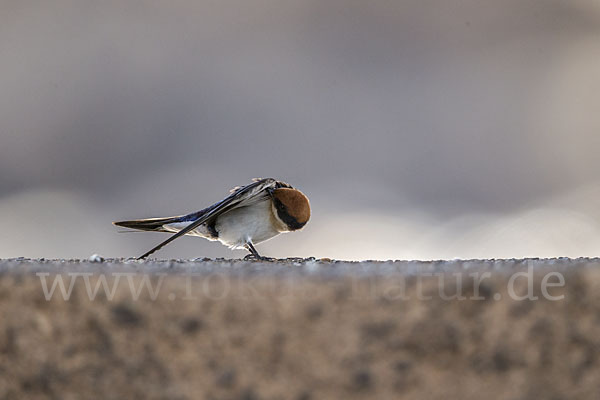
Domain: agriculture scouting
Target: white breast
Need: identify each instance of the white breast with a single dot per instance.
(239, 225)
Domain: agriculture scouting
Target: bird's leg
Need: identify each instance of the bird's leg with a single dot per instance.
(251, 249)
(253, 253)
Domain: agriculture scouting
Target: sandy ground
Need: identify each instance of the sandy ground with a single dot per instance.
(300, 329)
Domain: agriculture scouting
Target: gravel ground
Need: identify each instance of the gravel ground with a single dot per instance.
(299, 329)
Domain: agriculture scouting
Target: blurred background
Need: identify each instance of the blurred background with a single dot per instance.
(419, 129)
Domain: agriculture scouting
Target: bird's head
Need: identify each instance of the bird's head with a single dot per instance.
(291, 208)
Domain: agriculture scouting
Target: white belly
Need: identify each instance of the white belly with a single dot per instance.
(240, 225)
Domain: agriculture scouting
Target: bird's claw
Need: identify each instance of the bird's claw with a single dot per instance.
(257, 258)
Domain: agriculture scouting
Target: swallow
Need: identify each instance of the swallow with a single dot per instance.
(250, 215)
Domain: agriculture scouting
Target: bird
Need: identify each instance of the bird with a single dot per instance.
(250, 215)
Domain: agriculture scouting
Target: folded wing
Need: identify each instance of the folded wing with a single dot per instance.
(240, 197)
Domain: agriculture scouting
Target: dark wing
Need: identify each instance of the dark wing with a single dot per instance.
(240, 197)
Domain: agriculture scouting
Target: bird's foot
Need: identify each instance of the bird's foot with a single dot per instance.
(257, 258)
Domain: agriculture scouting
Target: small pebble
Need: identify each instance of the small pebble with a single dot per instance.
(95, 258)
